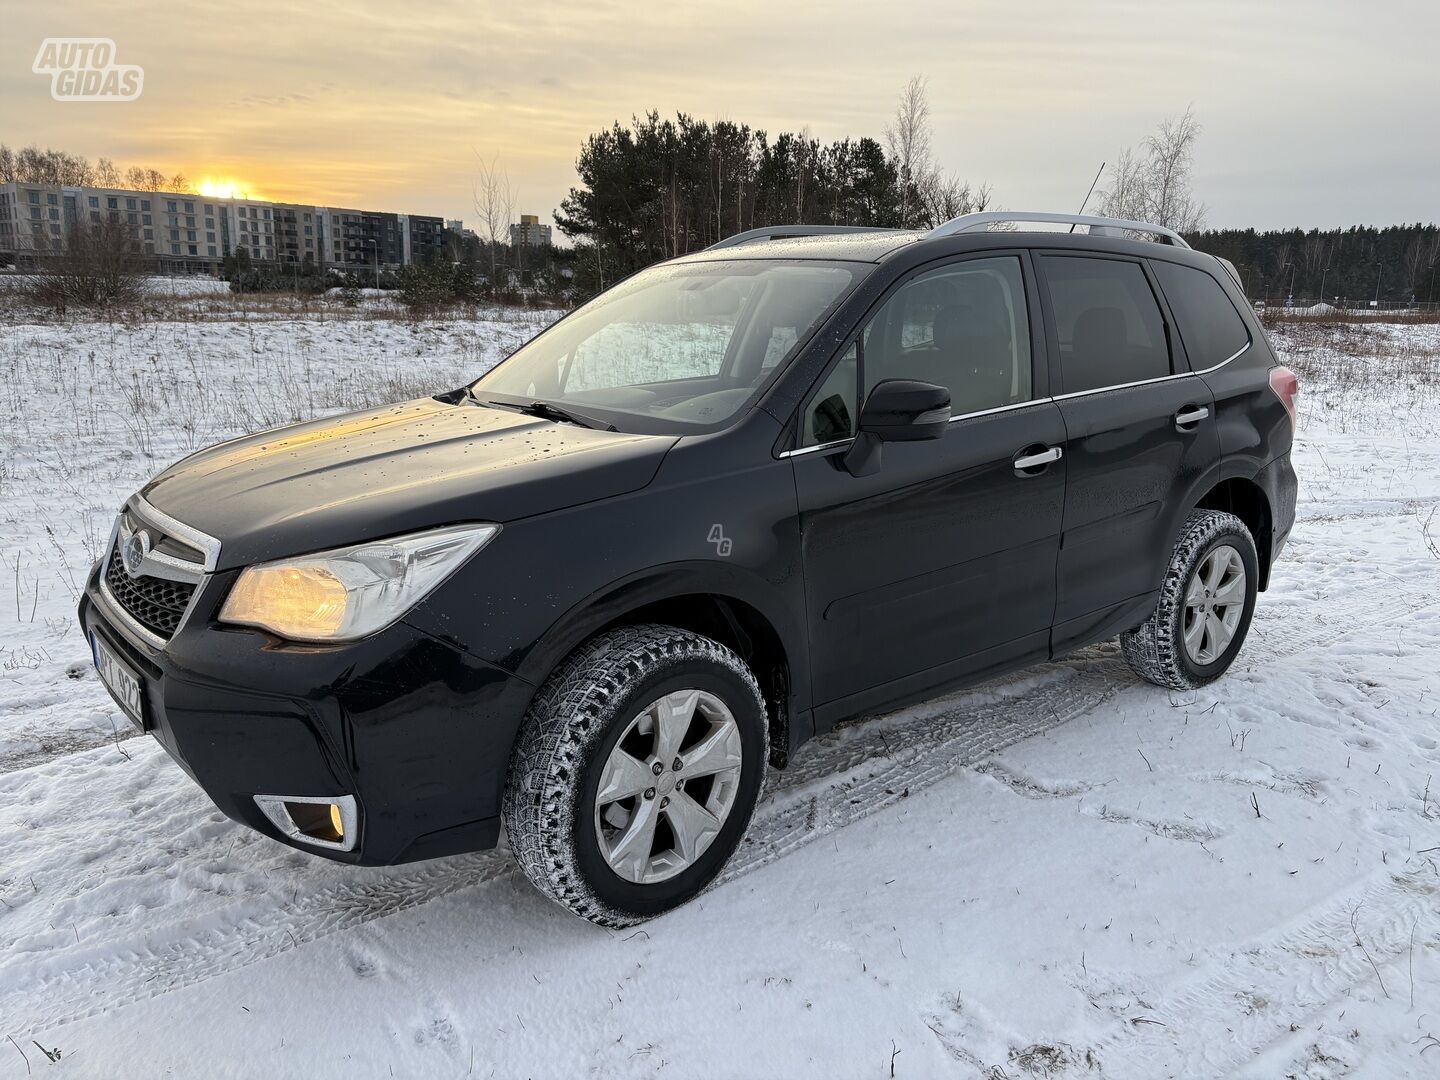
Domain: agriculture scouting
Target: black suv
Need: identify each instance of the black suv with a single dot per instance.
(805, 474)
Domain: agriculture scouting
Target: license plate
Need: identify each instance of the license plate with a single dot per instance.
(123, 683)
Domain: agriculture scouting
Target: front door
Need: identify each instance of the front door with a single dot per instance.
(941, 564)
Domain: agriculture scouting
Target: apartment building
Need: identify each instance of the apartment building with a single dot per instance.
(299, 234)
(344, 238)
(189, 229)
(423, 237)
(381, 233)
(188, 233)
(179, 231)
(529, 232)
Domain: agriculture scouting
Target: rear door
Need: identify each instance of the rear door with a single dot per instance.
(1141, 442)
(942, 563)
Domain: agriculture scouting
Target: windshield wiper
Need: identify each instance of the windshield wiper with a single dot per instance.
(547, 411)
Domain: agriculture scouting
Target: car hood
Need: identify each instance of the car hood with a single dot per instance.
(397, 469)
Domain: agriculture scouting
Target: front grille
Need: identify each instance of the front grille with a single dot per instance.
(155, 603)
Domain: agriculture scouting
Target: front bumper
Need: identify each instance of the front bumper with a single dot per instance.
(417, 730)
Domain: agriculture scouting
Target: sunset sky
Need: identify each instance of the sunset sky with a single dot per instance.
(1316, 113)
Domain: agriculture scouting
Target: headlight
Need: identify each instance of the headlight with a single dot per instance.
(351, 592)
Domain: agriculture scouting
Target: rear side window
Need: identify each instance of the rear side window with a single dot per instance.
(1107, 321)
(1209, 325)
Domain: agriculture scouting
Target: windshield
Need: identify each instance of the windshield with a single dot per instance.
(676, 349)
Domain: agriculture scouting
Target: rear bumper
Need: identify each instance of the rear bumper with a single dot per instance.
(1280, 485)
(418, 731)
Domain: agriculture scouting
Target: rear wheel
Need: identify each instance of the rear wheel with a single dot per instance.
(1205, 606)
(636, 772)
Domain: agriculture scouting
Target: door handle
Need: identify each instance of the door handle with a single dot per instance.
(1191, 415)
(1038, 459)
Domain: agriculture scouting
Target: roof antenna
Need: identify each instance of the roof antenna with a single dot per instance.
(1089, 193)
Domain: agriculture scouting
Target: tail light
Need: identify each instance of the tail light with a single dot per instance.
(1287, 389)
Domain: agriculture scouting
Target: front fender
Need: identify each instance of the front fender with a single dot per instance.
(548, 582)
(672, 582)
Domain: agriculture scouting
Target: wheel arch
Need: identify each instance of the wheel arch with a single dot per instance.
(1247, 500)
(727, 607)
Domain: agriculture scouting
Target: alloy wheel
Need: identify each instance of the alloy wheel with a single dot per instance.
(668, 786)
(1214, 604)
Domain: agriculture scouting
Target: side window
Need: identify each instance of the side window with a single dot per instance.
(832, 412)
(1108, 323)
(1208, 322)
(963, 326)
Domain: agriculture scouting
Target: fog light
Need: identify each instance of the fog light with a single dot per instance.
(327, 821)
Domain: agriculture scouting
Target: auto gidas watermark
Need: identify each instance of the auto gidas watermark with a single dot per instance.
(84, 69)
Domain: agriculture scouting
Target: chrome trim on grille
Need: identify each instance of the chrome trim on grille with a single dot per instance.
(157, 564)
(206, 544)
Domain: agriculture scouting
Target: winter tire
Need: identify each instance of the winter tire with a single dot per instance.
(1205, 606)
(635, 773)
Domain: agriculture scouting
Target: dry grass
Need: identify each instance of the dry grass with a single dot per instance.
(157, 304)
(91, 407)
(1278, 317)
(1364, 377)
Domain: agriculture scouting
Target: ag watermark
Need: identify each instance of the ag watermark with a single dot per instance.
(84, 69)
(722, 543)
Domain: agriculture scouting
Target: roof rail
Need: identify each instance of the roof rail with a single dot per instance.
(1099, 226)
(781, 232)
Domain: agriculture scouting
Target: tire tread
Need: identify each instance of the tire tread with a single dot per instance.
(1152, 649)
(569, 716)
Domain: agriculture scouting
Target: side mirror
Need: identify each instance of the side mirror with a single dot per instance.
(897, 410)
(903, 410)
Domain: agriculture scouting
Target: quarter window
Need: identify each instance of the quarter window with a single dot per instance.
(1209, 325)
(1107, 322)
(832, 411)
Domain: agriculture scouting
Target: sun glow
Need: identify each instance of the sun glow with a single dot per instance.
(225, 187)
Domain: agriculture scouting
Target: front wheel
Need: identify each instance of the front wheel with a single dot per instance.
(1205, 605)
(636, 772)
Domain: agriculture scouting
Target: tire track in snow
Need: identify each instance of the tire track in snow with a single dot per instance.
(1261, 990)
(47, 749)
(835, 781)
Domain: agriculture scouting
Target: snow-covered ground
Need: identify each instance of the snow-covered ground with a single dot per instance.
(158, 285)
(1065, 872)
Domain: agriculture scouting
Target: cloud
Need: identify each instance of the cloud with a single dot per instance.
(382, 106)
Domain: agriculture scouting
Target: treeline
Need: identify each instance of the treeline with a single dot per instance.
(661, 188)
(31, 165)
(1400, 259)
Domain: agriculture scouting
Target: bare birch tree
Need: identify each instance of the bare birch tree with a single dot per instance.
(928, 195)
(1153, 182)
(494, 201)
(907, 137)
